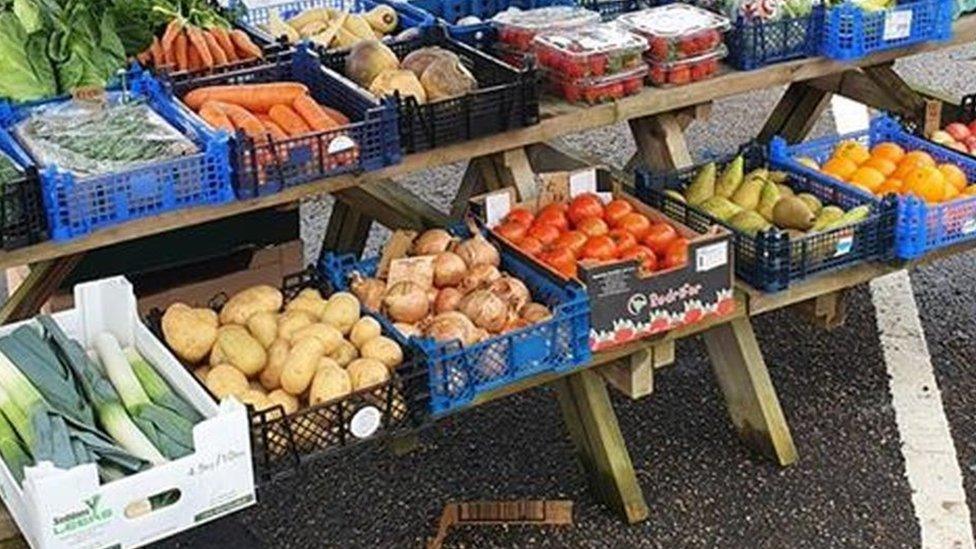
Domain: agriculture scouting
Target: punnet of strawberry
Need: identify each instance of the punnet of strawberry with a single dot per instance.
(589, 51)
(677, 31)
(517, 28)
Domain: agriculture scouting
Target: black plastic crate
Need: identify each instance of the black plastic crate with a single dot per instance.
(506, 98)
(282, 444)
(22, 218)
(770, 260)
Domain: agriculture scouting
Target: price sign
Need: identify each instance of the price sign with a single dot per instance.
(898, 24)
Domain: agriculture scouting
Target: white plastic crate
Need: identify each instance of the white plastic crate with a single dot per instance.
(59, 508)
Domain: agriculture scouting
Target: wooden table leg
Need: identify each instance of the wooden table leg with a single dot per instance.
(592, 424)
(795, 113)
(749, 394)
(37, 288)
(347, 230)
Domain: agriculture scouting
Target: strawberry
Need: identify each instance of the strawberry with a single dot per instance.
(659, 49)
(679, 75)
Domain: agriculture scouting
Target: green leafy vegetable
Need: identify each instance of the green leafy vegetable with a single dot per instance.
(25, 71)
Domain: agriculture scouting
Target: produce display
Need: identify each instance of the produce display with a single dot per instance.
(761, 200)
(107, 406)
(90, 139)
(268, 353)
(676, 31)
(517, 28)
(590, 51)
(427, 74)
(335, 28)
(957, 136)
(888, 168)
(684, 71)
(770, 10)
(450, 289)
(203, 40)
(594, 90)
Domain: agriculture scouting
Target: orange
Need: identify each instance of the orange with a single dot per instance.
(853, 151)
(888, 151)
(927, 183)
(950, 191)
(906, 166)
(883, 165)
(954, 175)
(970, 190)
(889, 186)
(868, 178)
(921, 158)
(841, 168)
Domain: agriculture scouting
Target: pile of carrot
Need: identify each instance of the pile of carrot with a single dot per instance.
(188, 47)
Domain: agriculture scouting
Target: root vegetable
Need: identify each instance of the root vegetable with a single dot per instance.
(478, 251)
(288, 403)
(328, 335)
(535, 312)
(447, 300)
(190, 332)
(326, 362)
(449, 269)
(367, 372)
(257, 399)
(384, 350)
(264, 327)
(369, 291)
(300, 365)
(330, 382)
(478, 276)
(291, 321)
(485, 309)
(256, 386)
(341, 311)
(365, 329)
(511, 290)
(245, 303)
(345, 353)
(309, 301)
(225, 380)
(406, 301)
(452, 326)
(271, 374)
(432, 242)
(201, 373)
(236, 346)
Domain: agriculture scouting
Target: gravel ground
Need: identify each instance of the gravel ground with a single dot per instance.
(703, 487)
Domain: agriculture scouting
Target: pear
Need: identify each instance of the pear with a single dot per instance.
(703, 186)
(811, 201)
(747, 195)
(749, 222)
(792, 212)
(784, 189)
(852, 215)
(720, 208)
(768, 198)
(731, 178)
(778, 176)
(675, 195)
(827, 215)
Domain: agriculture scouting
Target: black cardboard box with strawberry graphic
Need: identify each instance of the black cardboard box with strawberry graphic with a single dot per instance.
(632, 295)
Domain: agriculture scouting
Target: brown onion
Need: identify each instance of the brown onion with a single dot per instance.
(406, 302)
(447, 300)
(432, 242)
(408, 330)
(515, 323)
(477, 251)
(369, 291)
(511, 290)
(479, 276)
(450, 326)
(431, 295)
(535, 312)
(485, 309)
(449, 269)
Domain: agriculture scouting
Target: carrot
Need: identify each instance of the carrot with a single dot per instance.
(169, 55)
(219, 57)
(313, 114)
(193, 58)
(144, 57)
(179, 48)
(223, 39)
(196, 38)
(334, 114)
(245, 48)
(156, 49)
(289, 120)
(253, 97)
(273, 128)
(172, 31)
(216, 117)
(243, 119)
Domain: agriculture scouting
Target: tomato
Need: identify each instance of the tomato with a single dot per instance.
(636, 223)
(560, 259)
(512, 231)
(616, 209)
(571, 240)
(643, 254)
(677, 253)
(551, 217)
(600, 247)
(592, 226)
(658, 237)
(531, 245)
(544, 233)
(623, 238)
(584, 205)
(521, 215)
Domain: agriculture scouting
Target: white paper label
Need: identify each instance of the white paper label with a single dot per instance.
(844, 245)
(969, 226)
(711, 256)
(497, 206)
(582, 182)
(365, 422)
(898, 24)
(340, 144)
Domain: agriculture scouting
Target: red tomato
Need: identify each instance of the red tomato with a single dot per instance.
(543, 233)
(531, 245)
(677, 253)
(624, 239)
(552, 217)
(560, 259)
(592, 226)
(520, 215)
(636, 223)
(658, 237)
(554, 207)
(643, 254)
(599, 247)
(616, 209)
(512, 231)
(571, 240)
(584, 205)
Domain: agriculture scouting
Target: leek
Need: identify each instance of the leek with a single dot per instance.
(156, 387)
(11, 450)
(33, 419)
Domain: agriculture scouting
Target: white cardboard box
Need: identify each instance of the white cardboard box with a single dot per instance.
(59, 508)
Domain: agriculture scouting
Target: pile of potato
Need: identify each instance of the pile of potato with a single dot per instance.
(266, 353)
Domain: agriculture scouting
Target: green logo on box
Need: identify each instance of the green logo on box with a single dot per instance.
(91, 515)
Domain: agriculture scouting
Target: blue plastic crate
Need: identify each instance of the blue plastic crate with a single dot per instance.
(852, 33)
(458, 374)
(266, 168)
(921, 227)
(754, 44)
(480, 35)
(771, 260)
(76, 206)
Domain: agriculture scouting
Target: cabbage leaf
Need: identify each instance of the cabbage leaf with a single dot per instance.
(25, 71)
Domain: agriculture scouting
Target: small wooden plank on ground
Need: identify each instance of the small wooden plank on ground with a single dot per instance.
(491, 513)
(827, 311)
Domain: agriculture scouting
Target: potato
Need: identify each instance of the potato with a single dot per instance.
(341, 311)
(256, 386)
(245, 303)
(345, 353)
(384, 350)
(201, 373)
(308, 300)
(328, 335)
(255, 398)
(286, 401)
(367, 372)
(365, 329)
(224, 380)
(330, 383)
(236, 346)
(271, 374)
(264, 327)
(300, 365)
(326, 362)
(189, 332)
(292, 321)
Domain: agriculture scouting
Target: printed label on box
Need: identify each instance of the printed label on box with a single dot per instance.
(898, 24)
(582, 182)
(712, 256)
(844, 245)
(365, 422)
(969, 226)
(497, 206)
